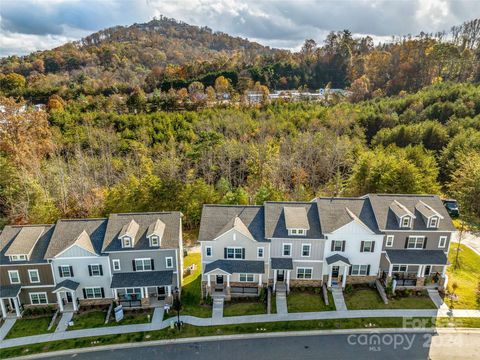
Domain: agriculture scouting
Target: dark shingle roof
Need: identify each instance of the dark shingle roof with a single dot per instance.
(337, 257)
(67, 284)
(171, 235)
(282, 263)
(9, 234)
(9, 291)
(218, 218)
(334, 213)
(67, 232)
(142, 278)
(275, 225)
(236, 266)
(386, 217)
(417, 257)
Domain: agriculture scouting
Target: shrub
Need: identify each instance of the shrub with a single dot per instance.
(348, 289)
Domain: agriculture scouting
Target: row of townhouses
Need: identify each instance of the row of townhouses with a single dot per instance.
(331, 241)
(135, 259)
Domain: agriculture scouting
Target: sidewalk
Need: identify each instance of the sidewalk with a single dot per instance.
(7, 325)
(63, 323)
(338, 298)
(323, 315)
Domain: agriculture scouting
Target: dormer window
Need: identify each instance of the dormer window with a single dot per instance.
(297, 232)
(18, 257)
(154, 240)
(433, 222)
(406, 221)
(126, 242)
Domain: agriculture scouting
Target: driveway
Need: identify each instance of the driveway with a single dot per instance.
(470, 238)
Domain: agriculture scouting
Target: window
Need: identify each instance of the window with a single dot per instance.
(359, 270)
(65, 271)
(34, 275)
(287, 249)
(260, 252)
(169, 262)
(127, 242)
(296, 232)
(442, 242)
(18, 257)
(154, 240)
(304, 273)
(367, 246)
(389, 242)
(399, 268)
(95, 270)
(137, 292)
(143, 265)
(434, 222)
(306, 250)
(338, 245)
(93, 293)
(234, 253)
(406, 221)
(38, 298)
(415, 242)
(116, 264)
(208, 251)
(14, 276)
(246, 278)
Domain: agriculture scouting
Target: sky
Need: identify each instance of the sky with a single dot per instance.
(31, 25)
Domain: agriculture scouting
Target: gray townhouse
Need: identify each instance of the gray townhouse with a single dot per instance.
(81, 270)
(234, 251)
(417, 233)
(146, 257)
(26, 278)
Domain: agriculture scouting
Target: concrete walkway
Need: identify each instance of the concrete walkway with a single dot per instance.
(338, 298)
(281, 302)
(157, 317)
(217, 310)
(247, 319)
(436, 299)
(7, 325)
(63, 323)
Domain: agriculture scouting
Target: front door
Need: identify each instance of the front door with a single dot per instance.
(219, 279)
(161, 292)
(280, 275)
(428, 268)
(335, 271)
(69, 297)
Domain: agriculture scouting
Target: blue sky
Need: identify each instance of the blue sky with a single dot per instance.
(30, 25)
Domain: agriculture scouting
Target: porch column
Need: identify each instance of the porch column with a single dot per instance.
(420, 271)
(288, 280)
(390, 269)
(74, 301)
(146, 292)
(444, 270)
(259, 279)
(169, 290)
(59, 301)
(208, 280)
(344, 277)
(17, 306)
(329, 283)
(115, 294)
(274, 279)
(4, 310)
(142, 293)
(228, 280)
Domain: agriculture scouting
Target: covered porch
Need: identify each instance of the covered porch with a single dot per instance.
(67, 298)
(416, 268)
(338, 267)
(9, 301)
(143, 289)
(281, 268)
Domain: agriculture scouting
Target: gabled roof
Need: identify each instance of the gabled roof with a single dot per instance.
(282, 264)
(400, 210)
(217, 219)
(335, 213)
(276, 221)
(66, 284)
(130, 229)
(25, 240)
(87, 233)
(156, 228)
(337, 258)
(8, 236)
(116, 222)
(426, 210)
(387, 220)
(236, 266)
(296, 217)
(9, 291)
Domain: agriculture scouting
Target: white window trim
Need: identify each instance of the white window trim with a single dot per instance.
(408, 218)
(359, 270)
(93, 291)
(69, 272)
(149, 260)
(246, 277)
(166, 262)
(10, 272)
(235, 253)
(297, 232)
(154, 237)
(433, 218)
(115, 263)
(341, 245)
(390, 240)
(37, 294)
(206, 251)
(21, 257)
(30, 276)
(304, 268)
(91, 268)
(309, 250)
(371, 244)
(283, 249)
(128, 238)
(263, 253)
(442, 242)
(416, 237)
(399, 266)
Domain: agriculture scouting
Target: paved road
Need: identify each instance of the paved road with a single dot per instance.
(396, 346)
(471, 239)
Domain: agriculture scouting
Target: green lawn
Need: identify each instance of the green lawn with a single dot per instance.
(466, 276)
(30, 326)
(192, 258)
(131, 317)
(238, 308)
(87, 320)
(366, 298)
(307, 301)
(273, 304)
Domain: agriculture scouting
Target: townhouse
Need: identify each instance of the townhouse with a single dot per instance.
(146, 257)
(26, 278)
